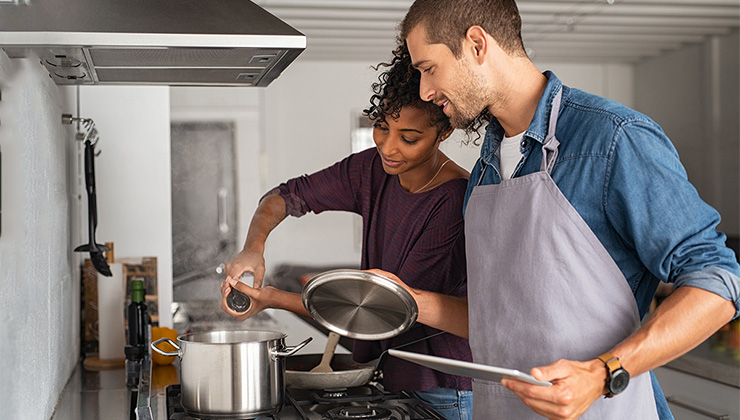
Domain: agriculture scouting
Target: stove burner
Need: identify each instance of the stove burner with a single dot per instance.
(340, 393)
(347, 395)
(374, 413)
(369, 402)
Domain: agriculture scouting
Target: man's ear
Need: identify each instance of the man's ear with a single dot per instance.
(478, 41)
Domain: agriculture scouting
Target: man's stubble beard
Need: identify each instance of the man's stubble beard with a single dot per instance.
(474, 98)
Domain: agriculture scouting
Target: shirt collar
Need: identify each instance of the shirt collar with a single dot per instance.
(537, 129)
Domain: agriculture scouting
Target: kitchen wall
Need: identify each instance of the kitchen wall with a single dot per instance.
(694, 94)
(133, 176)
(44, 217)
(39, 278)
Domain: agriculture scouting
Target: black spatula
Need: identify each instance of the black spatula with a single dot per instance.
(96, 250)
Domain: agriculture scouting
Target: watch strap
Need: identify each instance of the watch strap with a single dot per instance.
(612, 362)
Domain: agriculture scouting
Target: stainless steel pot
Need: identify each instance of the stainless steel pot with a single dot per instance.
(231, 374)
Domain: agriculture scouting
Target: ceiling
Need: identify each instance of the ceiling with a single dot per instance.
(593, 31)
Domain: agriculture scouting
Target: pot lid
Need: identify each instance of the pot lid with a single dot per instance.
(359, 304)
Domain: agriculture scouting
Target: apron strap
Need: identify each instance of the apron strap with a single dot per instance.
(482, 173)
(550, 145)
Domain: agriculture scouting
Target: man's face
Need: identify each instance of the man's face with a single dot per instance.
(446, 80)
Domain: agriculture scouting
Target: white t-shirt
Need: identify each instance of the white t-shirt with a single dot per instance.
(510, 154)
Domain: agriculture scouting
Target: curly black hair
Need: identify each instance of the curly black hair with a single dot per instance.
(397, 87)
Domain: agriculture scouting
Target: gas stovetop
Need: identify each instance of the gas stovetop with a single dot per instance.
(368, 402)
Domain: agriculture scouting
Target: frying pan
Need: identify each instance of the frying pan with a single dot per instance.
(356, 304)
(346, 372)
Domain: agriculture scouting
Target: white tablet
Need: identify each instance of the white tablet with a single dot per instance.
(467, 369)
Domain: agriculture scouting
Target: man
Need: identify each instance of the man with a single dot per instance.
(575, 212)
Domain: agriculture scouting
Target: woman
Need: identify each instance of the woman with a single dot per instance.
(410, 197)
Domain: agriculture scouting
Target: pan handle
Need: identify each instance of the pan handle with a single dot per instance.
(166, 353)
(288, 351)
(384, 356)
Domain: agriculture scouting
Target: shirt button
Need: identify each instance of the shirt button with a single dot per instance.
(524, 144)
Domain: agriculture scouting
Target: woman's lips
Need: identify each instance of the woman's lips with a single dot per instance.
(391, 163)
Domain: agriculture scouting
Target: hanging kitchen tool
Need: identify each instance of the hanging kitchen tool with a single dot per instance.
(96, 250)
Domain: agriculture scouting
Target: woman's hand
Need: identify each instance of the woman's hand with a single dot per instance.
(443, 312)
(394, 278)
(247, 262)
(259, 298)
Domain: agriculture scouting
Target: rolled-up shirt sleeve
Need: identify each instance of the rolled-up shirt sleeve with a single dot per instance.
(659, 213)
(294, 205)
(333, 188)
(713, 279)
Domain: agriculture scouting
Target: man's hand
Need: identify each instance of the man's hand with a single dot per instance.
(575, 386)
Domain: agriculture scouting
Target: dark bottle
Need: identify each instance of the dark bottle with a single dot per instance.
(137, 322)
(136, 337)
(236, 300)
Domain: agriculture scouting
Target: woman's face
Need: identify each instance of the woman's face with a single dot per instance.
(406, 143)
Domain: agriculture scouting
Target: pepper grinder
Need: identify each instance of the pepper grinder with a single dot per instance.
(236, 300)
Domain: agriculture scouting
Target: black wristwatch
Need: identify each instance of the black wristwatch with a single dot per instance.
(617, 378)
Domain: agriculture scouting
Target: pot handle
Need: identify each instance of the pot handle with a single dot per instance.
(288, 351)
(166, 353)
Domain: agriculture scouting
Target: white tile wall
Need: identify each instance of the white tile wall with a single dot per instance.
(39, 304)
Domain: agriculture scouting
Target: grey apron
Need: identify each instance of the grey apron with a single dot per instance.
(542, 287)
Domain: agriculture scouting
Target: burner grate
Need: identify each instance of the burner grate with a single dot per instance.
(368, 402)
(360, 413)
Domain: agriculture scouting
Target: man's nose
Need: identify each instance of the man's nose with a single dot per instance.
(426, 92)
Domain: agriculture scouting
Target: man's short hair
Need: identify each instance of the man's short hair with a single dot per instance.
(447, 21)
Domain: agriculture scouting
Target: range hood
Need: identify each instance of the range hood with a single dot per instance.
(150, 42)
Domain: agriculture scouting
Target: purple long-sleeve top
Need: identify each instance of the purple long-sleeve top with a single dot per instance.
(418, 237)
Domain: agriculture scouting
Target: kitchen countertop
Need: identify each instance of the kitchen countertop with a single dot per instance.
(95, 395)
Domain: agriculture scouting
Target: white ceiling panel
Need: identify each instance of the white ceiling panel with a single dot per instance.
(601, 31)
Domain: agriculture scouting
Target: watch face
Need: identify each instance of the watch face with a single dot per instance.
(619, 381)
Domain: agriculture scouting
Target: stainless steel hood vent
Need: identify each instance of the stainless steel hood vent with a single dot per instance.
(151, 42)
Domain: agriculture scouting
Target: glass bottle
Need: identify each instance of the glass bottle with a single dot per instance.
(136, 347)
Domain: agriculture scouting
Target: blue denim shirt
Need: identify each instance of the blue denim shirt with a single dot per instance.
(623, 176)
